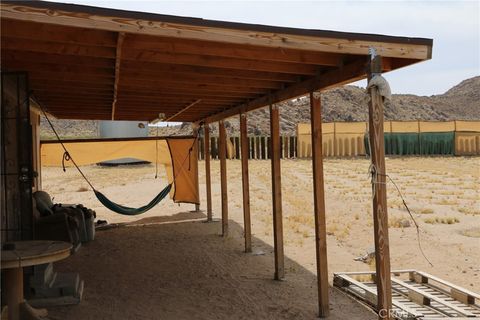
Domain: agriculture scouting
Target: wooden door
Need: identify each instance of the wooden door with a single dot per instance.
(16, 158)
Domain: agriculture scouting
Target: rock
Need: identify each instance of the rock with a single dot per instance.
(405, 223)
(367, 257)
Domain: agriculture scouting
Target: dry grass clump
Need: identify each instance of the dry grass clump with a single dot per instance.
(398, 222)
(447, 202)
(332, 228)
(301, 219)
(426, 211)
(447, 220)
(363, 277)
(473, 233)
(395, 203)
(472, 211)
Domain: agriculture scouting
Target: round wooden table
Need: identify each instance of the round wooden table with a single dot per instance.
(26, 254)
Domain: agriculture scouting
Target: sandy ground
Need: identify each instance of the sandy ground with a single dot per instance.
(443, 193)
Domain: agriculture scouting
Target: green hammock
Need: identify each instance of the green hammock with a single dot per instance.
(132, 211)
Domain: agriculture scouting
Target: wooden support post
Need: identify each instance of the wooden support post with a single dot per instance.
(319, 204)
(222, 151)
(208, 182)
(245, 182)
(276, 192)
(380, 213)
(14, 289)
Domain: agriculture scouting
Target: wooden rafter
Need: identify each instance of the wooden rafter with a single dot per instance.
(118, 59)
(354, 71)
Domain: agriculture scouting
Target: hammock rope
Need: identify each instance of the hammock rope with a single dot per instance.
(109, 204)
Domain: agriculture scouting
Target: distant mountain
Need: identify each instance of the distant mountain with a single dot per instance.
(348, 103)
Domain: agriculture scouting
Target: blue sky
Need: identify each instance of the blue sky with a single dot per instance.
(454, 26)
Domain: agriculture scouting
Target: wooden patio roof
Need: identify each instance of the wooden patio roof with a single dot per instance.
(95, 63)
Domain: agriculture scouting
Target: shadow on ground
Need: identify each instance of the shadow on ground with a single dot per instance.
(185, 270)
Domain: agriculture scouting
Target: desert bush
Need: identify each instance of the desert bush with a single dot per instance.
(447, 220)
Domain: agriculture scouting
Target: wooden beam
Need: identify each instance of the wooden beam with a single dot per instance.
(69, 35)
(63, 92)
(156, 86)
(247, 226)
(187, 85)
(319, 204)
(56, 48)
(42, 67)
(215, 62)
(208, 183)
(144, 75)
(276, 192)
(351, 72)
(181, 100)
(196, 70)
(380, 208)
(210, 48)
(58, 59)
(118, 59)
(223, 176)
(171, 106)
(71, 78)
(185, 28)
(71, 85)
(133, 95)
(130, 92)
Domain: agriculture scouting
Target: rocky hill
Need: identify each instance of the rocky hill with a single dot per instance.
(348, 103)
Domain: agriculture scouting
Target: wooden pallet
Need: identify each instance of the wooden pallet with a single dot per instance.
(415, 295)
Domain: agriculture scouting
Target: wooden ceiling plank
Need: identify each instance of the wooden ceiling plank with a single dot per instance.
(71, 77)
(59, 91)
(199, 78)
(24, 56)
(69, 84)
(166, 82)
(39, 66)
(63, 94)
(48, 32)
(146, 98)
(142, 66)
(210, 48)
(56, 48)
(161, 103)
(74, 99)
(170, 112)
(156, 86)
(219, 62)
(198, 94)
(118, 59)
(176, 94)
(264, 36)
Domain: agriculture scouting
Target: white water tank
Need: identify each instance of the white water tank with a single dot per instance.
(122, 129)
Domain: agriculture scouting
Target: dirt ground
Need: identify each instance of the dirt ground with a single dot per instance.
(442, 193)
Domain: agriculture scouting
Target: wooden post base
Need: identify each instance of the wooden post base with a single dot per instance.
(17, 308)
